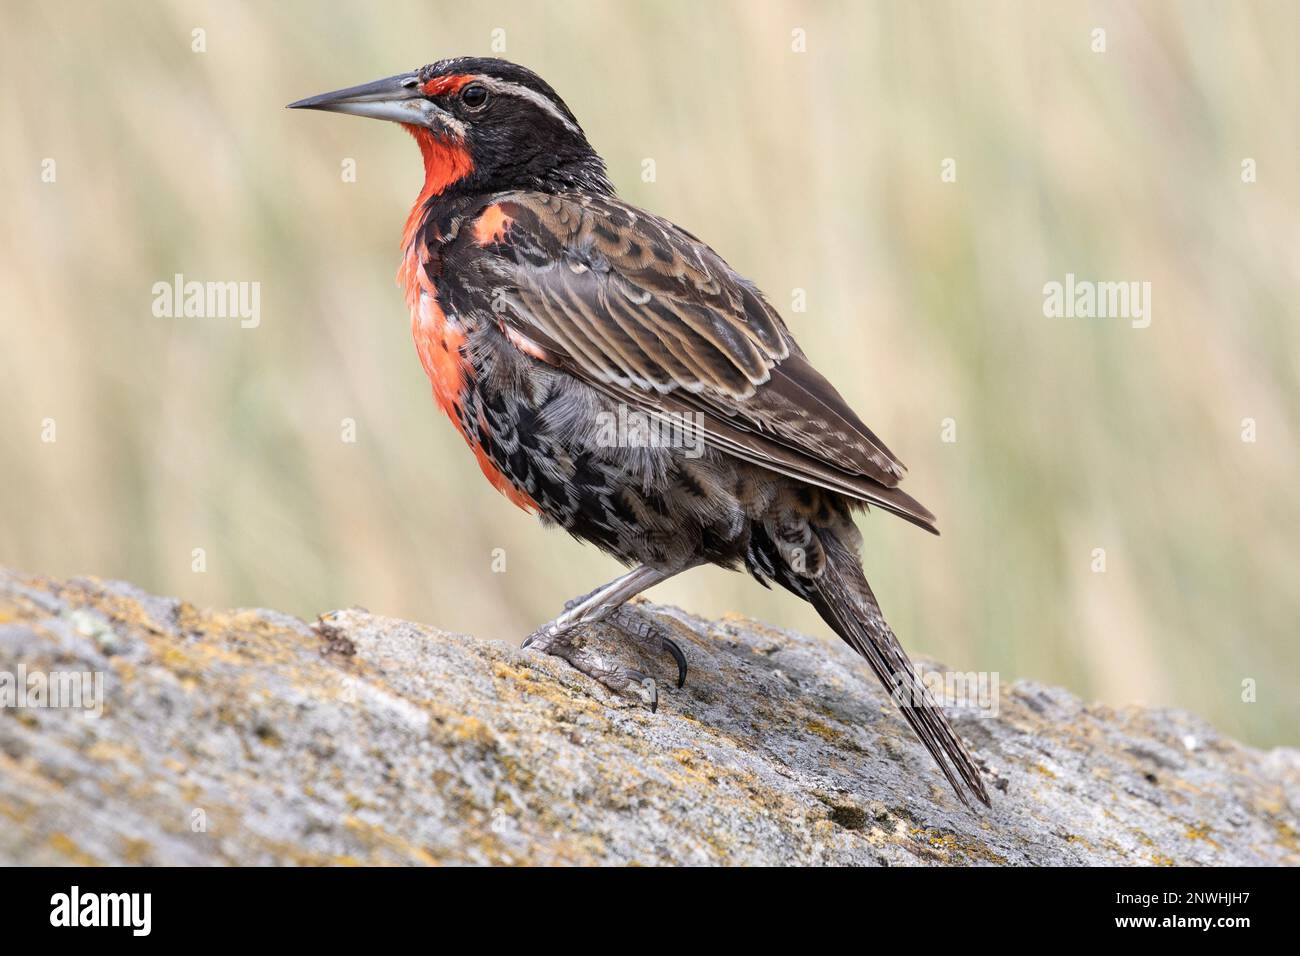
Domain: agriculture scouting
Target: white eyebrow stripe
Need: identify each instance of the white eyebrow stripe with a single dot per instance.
(515, 89)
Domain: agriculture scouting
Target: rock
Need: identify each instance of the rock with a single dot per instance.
(251, 737)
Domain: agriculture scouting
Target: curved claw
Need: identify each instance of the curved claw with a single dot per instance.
(548, 633)
(653, 689)
(675, 650)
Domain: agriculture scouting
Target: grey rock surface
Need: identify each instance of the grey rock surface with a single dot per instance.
(251, 737)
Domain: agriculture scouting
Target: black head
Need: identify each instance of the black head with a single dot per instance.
(488, 124)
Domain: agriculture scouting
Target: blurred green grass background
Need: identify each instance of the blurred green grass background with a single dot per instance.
(817, 171)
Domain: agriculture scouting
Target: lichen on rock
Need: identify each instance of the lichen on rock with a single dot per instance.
(252, 737)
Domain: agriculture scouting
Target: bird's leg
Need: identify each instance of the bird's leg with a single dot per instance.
(597, 605)
(608, 604)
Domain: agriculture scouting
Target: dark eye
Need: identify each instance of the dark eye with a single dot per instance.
(474, 96)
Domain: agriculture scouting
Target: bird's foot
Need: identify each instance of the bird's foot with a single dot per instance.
(643, 627)
(557, 639)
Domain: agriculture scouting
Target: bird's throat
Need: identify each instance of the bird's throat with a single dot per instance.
(445, 163)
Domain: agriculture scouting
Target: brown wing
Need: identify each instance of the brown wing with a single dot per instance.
(649, 314)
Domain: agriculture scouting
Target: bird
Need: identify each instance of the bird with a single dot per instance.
(546, 311)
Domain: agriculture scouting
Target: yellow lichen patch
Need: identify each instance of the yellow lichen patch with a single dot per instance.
(1076, 839)
(117, 607)
(1201, 832)
(64, 844)
(824, 829)
(684, 757)
(377, 836)
(17, 814)
(188, 617)
(1040, 769)
(194, 658)
(822, 730)
(105, 750)
(522, 679)
(1109, 844)
(940, 841)
(473, 730)
(1287, 835)
(238, 638)
(948, 844)
(1270, 805)
(136, 852)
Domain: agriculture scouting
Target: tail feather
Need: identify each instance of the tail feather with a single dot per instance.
(843, 598)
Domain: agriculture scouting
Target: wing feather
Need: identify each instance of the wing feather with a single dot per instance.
(652, 316)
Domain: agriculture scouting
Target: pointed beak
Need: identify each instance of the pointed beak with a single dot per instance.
(397, 99)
